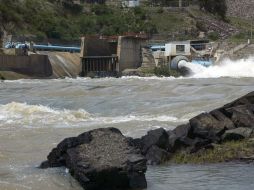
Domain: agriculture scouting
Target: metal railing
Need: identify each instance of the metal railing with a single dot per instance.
(176, 3)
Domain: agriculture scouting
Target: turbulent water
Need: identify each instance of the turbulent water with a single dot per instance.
(35, 115)
(226, 68)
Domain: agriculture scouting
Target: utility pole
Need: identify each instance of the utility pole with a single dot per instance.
(251, 33)
(1, 38)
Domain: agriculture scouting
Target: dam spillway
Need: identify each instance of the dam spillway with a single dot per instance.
(64, 64)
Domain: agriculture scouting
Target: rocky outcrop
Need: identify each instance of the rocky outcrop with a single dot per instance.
(101, 159)
(234, 121)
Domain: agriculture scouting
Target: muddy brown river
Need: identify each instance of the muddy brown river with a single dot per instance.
(35, 115)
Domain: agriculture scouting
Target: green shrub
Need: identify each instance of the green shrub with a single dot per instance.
(240, 35)
(213, 36)
(160, 10)
(201, 26)
(165, 71)
(61, 20)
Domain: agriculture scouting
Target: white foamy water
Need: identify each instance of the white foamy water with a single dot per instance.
(227, 68)
(37, 116)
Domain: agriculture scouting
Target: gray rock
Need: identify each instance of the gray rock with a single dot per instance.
(206, 126)
(178, 137)
(156, 155)
(222, 119)
(101, 159)
(242, 115)
(179, 143)
(237, 134)
(182, 131)
(158, 137)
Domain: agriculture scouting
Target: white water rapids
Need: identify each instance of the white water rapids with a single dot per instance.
(37, 116)
(226, 68)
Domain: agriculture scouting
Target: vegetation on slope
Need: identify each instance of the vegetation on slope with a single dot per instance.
(54, 20)
(65, 20)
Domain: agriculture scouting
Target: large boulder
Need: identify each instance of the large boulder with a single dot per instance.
(154, 146)
(242, 116)
(206, 126)
(237, 134)
(158, 137)
(101, 159)
(182, 131)
(156, 155)
(179, 137)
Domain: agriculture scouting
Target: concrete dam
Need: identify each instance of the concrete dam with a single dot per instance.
(98, 56)
(43, 64)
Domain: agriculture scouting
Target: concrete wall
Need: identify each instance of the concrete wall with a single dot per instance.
(129, 52)
(34, 65)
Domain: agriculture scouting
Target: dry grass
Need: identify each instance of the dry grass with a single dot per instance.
(228, 151)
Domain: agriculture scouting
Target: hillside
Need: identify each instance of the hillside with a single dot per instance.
(242, 8)
(56, 20)
(66, 20)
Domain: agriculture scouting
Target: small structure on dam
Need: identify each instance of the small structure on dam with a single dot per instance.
(108, 56)
(173, 53)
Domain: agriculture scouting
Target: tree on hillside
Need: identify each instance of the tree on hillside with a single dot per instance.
(8, 17)
(215, 7)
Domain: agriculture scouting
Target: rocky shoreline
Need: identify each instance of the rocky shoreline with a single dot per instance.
(105, 159)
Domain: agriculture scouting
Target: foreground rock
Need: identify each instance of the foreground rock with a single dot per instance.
(101, 159)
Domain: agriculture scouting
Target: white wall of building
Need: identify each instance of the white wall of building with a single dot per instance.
(131, 3)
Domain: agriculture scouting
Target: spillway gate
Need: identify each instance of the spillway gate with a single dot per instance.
(100, 65)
